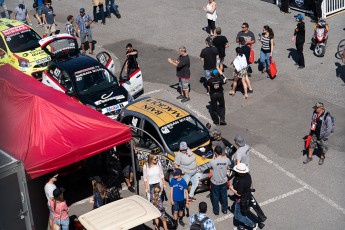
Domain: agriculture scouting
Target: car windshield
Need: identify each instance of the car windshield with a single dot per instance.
(59, 48)
(21, 38)
(187, 129)
(94, 79)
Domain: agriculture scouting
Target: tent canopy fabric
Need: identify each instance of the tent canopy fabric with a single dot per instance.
(47, 129)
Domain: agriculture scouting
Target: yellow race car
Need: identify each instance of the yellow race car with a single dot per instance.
(19, 47)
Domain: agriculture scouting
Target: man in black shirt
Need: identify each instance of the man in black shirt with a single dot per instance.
(132, 55)
(182, 65)
(221, 43)
(210, 57)
(299, 36)
(215, 87)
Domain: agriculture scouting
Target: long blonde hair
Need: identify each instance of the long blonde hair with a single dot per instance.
(101, 188)
(150, 159)
(156, 195)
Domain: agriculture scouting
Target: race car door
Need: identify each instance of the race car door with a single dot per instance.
(106, 60)
(131, 78)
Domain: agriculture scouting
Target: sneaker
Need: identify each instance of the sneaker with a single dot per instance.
(131, 189)
(261, 225)
(307, 160)
(181, 223)
(223, 123)
(225, 212)
(109, 16)
(180, 97)
(118, 15)
(301, 67)
(255, 226)
(321, 160)
(185, 99)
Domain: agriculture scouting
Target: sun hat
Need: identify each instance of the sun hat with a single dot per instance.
(241, 168)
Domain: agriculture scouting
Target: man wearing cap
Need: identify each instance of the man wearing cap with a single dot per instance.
(221, 43)
(48, 190)
(218, 140)
(83, 30)
(241, 188)
(299, 37)
(210, 57)
(201, 217)
(215, 87)
(321, 129)
(219, 179)
(182, 64)
(185, 160)
(242, 153)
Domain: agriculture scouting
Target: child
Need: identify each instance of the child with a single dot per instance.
(157, 202)
(178, 192)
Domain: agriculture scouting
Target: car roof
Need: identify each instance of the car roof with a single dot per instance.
(8, 23)
(159, 111)
(76, 63)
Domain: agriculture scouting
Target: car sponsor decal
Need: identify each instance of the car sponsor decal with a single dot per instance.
(41, 61)
(166, 129)
(119, 97)
(87, 71)
(15, 30)
(105, 96)
(114, 107)
(37, 52)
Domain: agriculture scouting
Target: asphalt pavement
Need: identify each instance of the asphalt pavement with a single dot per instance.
(273, 120)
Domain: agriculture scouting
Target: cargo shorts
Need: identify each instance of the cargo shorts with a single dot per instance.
(322, 144)
(184, 83)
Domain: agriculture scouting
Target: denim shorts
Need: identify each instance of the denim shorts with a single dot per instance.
(183, 83)
(179, 205)
(39, 10)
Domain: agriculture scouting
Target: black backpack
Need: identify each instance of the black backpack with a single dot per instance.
(198, 224)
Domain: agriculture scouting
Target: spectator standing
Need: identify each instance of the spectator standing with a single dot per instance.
(48, 19)
(153, 174)
(3, 9)
(299, 38)
(209, 56)
(221, 141)
(38, 5)
(182, 64)
(285, 7)
(211, 15)
(60, 209)
(266, 52)
(100, 5)
(185, 160)
(241, 67)
(178, 192)
(321, 129)
(202, 219)
(246, 34)
(215, 87)
(219, 179)
(156, 200)
(111, 6)
(49, 188)
(242, 153)
(83, 30)
(242, 190)
(99, 192)
(221, 43)
(317, 9)
(132, 56)
(20, 13)
(69, 27)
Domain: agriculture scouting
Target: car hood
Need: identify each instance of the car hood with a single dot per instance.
(104, 99)
(36, 56)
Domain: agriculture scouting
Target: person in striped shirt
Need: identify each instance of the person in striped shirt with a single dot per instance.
(267, 40)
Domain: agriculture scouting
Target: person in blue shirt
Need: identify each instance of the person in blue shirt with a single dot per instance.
(178, 192)
(83, 30)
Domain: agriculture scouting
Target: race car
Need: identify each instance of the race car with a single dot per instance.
(19, 47)
(160, 126)
(90, 81)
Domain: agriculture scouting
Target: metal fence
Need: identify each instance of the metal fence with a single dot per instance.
(332, 6)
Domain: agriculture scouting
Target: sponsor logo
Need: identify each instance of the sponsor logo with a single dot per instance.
(109, 99)
(104, 96)
(161, 108)
(299, 3)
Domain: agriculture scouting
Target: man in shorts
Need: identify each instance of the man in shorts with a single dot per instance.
(83, 30)
(182, 64)
(221, 43)
(48, 19)
(39, 8)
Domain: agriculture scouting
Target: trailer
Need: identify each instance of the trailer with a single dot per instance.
(14, 197)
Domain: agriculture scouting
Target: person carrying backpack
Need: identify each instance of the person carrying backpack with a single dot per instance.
(322, 125)
(201, 221)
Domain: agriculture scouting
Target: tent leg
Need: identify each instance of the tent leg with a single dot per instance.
(134, 169)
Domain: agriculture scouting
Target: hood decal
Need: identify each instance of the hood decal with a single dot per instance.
(104, 96)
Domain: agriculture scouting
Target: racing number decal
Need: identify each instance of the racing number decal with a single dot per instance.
(57, 72)
(102, 59)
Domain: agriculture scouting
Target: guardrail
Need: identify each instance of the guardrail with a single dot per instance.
(332, 6)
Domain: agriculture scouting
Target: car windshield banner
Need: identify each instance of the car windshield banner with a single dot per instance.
(15, 30)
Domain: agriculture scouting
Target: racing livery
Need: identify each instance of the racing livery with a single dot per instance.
(19, 47)
(167, 125)
(83, 77)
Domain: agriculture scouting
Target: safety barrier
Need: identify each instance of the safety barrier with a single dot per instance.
(332, 6)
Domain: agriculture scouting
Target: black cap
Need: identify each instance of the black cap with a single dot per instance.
(57, 192)
(202, 207)
(96, 178)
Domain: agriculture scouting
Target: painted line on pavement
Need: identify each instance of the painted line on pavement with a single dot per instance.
(151, 92)
(274, 199)
(301, 182)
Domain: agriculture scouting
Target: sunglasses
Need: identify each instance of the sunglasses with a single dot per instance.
(154, 159)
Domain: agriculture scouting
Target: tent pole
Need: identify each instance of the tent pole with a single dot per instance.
(134, 169)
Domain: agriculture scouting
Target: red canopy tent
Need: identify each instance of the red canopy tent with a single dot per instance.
(47, 129)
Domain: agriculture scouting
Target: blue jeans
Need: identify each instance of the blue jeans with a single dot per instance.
(111, 6)
(265, 60)
(195, 181)
(101, 13)
(63, 223)
(219, 194)
(240, 217)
